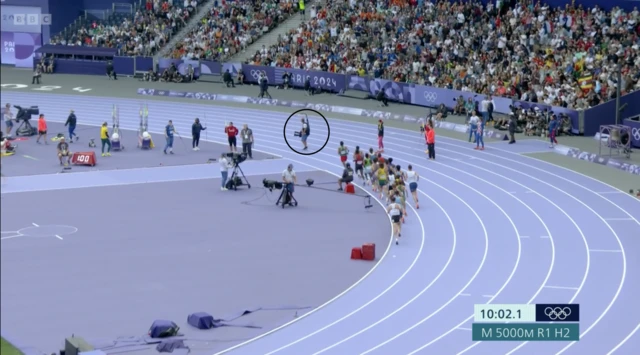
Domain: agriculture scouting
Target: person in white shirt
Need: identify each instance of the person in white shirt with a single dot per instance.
(412, 179)
(289, 179)
(224, 170)
(473, 125)
(395, 212)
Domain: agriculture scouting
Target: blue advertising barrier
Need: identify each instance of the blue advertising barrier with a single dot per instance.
(124, 65)
(143, 63)
(605, 114)
(635, 132)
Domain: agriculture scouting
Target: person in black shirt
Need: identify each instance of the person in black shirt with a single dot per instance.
(286, 79)
(512, 128)
(63, 151)
(111, 72)
(382, 98)
(71, 124)
(227, 79)
(196, 128)
(264, 87)
(347, 176)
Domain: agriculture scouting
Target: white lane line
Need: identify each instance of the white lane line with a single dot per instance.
(11, 237)
(562, 288)
(464, 294)
(465, 329)
(618, 219)
(59, 237)
(610, 192)
(35, 225)
(488, 296)
(605, 251)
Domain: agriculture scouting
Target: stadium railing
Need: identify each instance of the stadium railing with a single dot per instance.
(85, 60)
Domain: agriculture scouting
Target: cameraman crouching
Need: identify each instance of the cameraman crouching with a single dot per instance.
(347, 176)
(63, 151)
(382, 98)
(289, 179)
(227, 79)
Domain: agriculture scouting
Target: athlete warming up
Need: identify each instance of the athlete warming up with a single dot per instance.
(42, 129)
(343, 152)
(395, 211)
(380, 136)
(553, 127)
(358, 160)
(412, 180)
(231, 132)
(104, 139)
(480, 135)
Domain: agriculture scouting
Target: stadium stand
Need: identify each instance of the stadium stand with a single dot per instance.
(231, 27)
(141, 32)
(560, 56)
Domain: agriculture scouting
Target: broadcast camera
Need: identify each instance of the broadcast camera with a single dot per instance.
(272, 184)
(237, 158)
(23, 116)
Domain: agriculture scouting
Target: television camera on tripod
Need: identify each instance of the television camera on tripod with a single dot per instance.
(25, 129)
(237, 176)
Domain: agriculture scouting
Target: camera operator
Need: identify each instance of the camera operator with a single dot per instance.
(289, 179)
(111, 72)
(382, 98)
(240, 78)
(247, 140)
(150, 76)
(304, 133)
(37, 74)
(227, 79)
(71, 124)
(225, 165)
(286, 79)
(264, 87)
(347, 176)
(63, 152)
(7, 117)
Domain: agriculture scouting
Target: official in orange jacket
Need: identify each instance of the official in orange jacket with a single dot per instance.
(42, 129)
(430, 134)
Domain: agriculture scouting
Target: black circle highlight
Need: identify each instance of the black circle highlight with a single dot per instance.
(284, 131)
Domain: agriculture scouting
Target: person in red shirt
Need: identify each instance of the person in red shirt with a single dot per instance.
(231, 132)
(42, 129)
(431, 140)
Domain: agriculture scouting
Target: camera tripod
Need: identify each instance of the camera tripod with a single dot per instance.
(286, 198)
(236, 178)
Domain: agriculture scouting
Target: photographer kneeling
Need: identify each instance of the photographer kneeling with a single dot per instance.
(63, 151)
(347, 176)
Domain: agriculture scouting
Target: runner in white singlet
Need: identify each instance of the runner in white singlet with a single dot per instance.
(412, 179)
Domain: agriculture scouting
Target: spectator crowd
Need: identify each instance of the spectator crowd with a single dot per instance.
(230, 27)
(526, 50)
(141, 34)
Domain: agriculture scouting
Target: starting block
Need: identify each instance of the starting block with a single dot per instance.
(356, 253)
(369, 251)
(116, 145)
(350, 189)
(84, 158)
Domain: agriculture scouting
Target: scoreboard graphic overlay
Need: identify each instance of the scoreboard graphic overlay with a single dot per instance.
(526, 322)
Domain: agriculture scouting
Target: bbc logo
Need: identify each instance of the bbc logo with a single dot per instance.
(32, 19)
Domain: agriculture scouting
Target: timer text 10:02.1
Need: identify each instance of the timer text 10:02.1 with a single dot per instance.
(501, 314)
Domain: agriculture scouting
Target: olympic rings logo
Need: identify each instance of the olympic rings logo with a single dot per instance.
(557, 313)
(635, 132)
(256, 74)
(430, 96)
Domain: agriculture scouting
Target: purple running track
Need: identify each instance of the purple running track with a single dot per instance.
(214, 251)
(493, 227)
